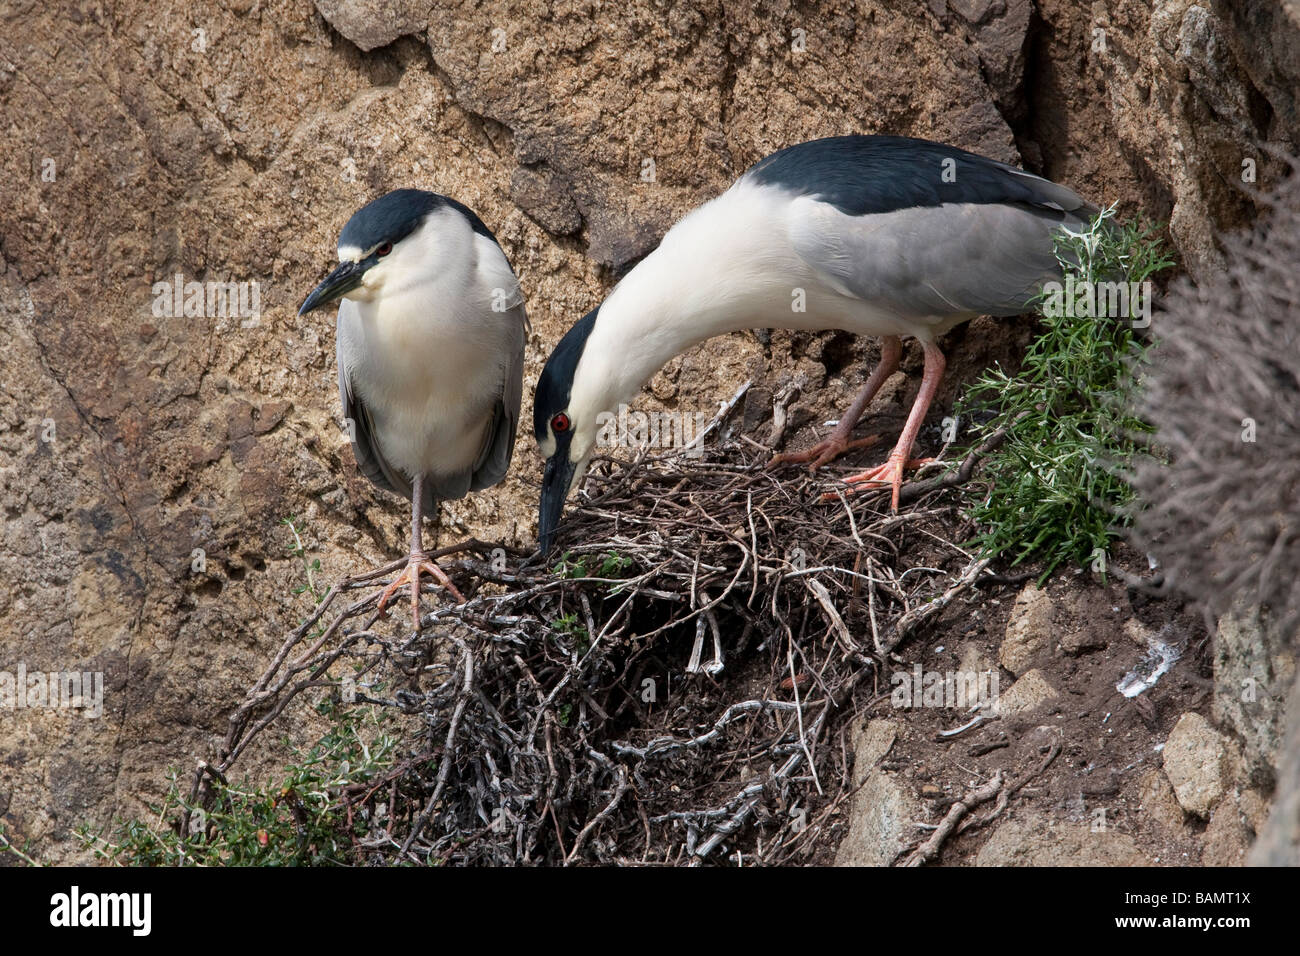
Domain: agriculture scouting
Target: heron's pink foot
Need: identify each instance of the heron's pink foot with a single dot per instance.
(411, 575)
(890, 473)
(822, 452)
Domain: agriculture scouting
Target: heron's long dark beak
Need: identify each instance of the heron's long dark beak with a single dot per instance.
(555, 489)
(339, 282)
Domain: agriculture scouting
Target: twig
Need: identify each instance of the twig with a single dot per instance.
(620, 789)
(927, 850)
(919, 615)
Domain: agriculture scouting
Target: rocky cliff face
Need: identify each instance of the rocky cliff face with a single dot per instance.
(149, 450)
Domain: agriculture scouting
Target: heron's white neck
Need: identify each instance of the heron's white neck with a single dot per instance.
(723, 268)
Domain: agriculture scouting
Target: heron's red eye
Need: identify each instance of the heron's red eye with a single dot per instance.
(385, 249)
(560, 423)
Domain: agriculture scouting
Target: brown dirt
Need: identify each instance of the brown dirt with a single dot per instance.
(1109, 743)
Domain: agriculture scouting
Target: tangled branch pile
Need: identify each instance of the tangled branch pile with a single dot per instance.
(669, 691)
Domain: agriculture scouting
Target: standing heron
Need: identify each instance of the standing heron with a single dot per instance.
(875, 235)
(430, 347)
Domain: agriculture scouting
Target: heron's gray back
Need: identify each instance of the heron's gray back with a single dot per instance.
(920, 229)
(937, 262)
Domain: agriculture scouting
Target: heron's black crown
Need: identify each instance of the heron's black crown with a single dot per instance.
(864, 175)
(556, 381)
(394, 216)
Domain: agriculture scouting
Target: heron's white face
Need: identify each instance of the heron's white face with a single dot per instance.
(571, 432)
(575, 428)
(438, 246)
(383, 264)
(372, 280)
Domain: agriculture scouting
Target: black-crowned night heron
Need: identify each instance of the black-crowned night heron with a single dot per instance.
(430, 347)
(876, 235)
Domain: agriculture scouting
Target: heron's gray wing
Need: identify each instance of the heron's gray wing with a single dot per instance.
(499, 443)
(921, 229)
(361, 432)
(961, 259)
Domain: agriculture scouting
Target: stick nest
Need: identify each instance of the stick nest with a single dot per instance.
(676, 687)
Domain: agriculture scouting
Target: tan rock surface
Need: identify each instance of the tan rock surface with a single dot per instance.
(231, 142)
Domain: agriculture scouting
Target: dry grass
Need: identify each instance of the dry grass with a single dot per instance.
(1224, 395)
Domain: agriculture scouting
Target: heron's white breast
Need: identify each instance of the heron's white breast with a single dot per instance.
(429, 363)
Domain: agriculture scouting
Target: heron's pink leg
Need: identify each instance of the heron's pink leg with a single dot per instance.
(411, 575)
(891, 350)
(891, 472)
(418, 562)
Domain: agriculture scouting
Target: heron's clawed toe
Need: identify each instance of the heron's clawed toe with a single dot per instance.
(821, 453)
(411, 575)
(890, 473)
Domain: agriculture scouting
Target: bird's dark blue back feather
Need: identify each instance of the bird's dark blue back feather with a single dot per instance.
(863, 175)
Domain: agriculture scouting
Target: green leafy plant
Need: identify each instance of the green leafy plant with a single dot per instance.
(570, 566)
(23, 853)
(568, 626)
(612, 565)
(304, 821)
(1054, 488)
(309, 568)
(608, 564)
